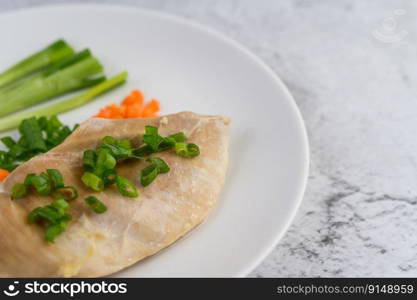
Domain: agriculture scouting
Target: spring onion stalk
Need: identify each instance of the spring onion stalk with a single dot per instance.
(14, 120)
(59, 65)
(81, 74)
(45, 57)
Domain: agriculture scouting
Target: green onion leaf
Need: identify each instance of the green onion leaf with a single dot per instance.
(50, 214)
(187, 150)
(28, 179)
(42, 184)
(31, 132)
(126, 187)
(67, 193)
(34, 215)
(152, 138)
(53, 230)
(118, 148)
(160, 164)
(56, 178)
(93, 181)
(178, 137)
(95, 204)
(14, 120)
(89, 160)
(60, 205)
(104, 161)
(142, 151)
(19, 191)
(8, 141)
(148, 174)
(109, 177)
(41, 59)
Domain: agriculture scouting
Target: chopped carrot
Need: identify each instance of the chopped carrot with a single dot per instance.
(131, 107)
(133, 111)
(151, 109)
(3, 174)
(135, 97)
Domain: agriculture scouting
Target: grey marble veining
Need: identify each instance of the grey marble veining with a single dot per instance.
(352, 68)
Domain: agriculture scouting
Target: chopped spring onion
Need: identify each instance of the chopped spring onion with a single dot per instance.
(19, 190)
(93, 181)
(187, 150)
(109, 177)
(119, 148)
(152, 138)
(28, 179)
(37, 136)
(104, 162)
(95, 204)
(89, 160)
(42, 184)
(56, 178)
(149, 173)
(126, 187)
(67, 193)
(32, 133)
(55, 215)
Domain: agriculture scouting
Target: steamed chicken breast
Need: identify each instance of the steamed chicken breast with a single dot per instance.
(132, 228)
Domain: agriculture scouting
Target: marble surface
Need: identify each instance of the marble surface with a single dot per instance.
(352, 68)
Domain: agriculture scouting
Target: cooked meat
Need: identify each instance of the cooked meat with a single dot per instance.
(132, 228)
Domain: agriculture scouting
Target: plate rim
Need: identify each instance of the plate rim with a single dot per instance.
(267, 248)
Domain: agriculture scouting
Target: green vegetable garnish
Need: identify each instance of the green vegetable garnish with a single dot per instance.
(160, 164)
(28, 179)
(37, 136)
(42, 184)
(32, 133)
(55, 215)
(142, 151)
(56, 178)
(76, 73)
(118, 148)
(126, 187)
(19, 191)
(104, 162)
(67, 193)
(12, 121)
(52, 231)
(45, 57)
(152, 138)
(187, 150)
(89, 160)
(93, 181)
(109, 177)
(95, 204)
(149, 173)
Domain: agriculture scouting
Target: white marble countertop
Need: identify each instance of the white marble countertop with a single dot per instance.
(352, 68)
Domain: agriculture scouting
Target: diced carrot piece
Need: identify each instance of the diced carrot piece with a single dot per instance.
(133, 111)
(135, 97)
(151, 109)
(3, 174)
(132, 107)
(104, 113)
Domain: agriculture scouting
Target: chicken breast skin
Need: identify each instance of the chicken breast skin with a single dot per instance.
(96, 245)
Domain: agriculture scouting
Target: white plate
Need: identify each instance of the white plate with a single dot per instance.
(190, 67)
